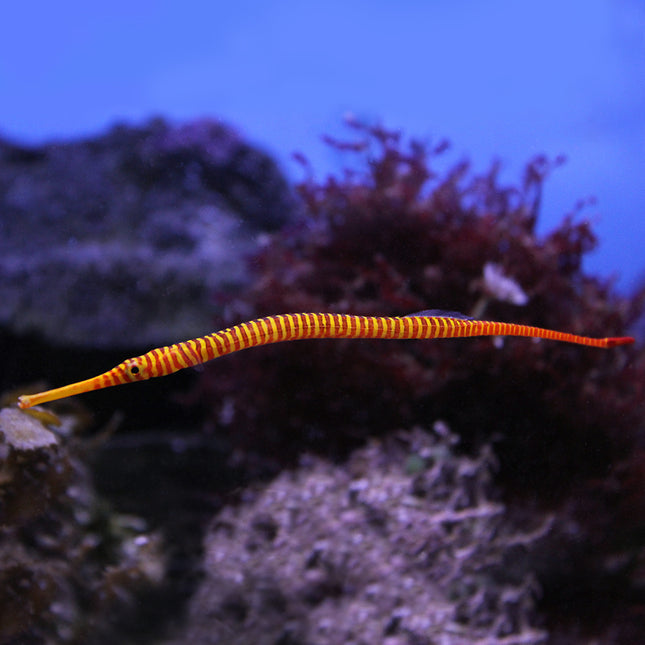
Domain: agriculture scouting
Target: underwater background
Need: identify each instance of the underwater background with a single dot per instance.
(169, 170)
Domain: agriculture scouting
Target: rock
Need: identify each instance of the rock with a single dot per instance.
(71, 569)
(32, 471)
(402, 544)
(122, 239)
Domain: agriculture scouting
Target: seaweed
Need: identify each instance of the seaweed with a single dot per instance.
(396, 236)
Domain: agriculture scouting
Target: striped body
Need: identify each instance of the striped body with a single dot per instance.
(286, 327)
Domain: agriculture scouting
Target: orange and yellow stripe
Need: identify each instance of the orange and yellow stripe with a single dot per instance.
(286, 327)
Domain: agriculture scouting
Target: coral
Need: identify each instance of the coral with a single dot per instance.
(406, 543)
(398, 237)
(69, 571)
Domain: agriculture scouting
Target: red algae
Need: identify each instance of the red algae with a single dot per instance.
(399, 236)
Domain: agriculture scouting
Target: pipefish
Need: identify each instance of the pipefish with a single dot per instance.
(428, 324)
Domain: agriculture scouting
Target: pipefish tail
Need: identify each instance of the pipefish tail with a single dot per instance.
(426, 324)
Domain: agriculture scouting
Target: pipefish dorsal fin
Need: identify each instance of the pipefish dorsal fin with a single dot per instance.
(440, 313)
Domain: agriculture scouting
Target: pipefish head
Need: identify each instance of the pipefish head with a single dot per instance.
(130, 370)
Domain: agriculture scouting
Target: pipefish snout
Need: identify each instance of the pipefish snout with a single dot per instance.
(428, 324)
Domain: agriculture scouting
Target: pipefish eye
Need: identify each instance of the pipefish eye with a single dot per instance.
(134, 370)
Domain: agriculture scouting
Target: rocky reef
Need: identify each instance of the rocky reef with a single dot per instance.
(277, 499)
